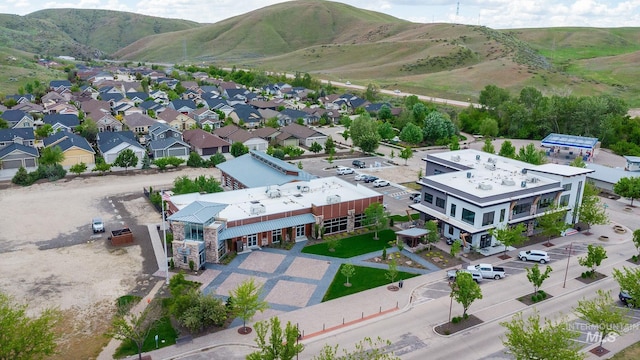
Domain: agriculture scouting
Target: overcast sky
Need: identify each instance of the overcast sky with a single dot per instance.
(497, 14)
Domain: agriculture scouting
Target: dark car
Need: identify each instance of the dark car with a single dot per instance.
(625, 298)
(370, 178)
(359, 164)
(413, 196)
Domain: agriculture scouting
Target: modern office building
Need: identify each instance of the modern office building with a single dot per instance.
(470, 192)
(208, 226)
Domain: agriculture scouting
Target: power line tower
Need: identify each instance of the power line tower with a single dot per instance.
(457, 10)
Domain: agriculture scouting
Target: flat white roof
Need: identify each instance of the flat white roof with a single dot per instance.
(274, 199)
(491, 174)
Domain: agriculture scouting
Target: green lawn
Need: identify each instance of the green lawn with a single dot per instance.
(163, 329)
(354, 245)
(365, 278)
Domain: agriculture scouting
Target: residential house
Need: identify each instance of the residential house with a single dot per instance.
(247, 115)
(206, 117)
(232, 134)
(139, 123)
(107, 123)
(136, 97)
(61, 108)
(205, 143)
(21, 98)
(236, 96)
(52, 98)
(185, 107)
(56, 85)
(176, 119)
(17, 148)
(111, 144)
(75, 148)
(159, 96)
(299, 135)
(220, 104)
(18, 119)
(62, 122)
(267, 133)
(95, 108)
(165, 141)
(29, 107)
(153, 106)
(291, 116)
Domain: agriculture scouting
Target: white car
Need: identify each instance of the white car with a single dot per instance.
(348, 83)
(344, 171)
(359, 177)
(380, 183)
(396, 91)
(534, 255)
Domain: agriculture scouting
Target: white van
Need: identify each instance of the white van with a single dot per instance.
(344, 170)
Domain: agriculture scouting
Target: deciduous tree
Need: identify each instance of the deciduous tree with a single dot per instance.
(367, 349)
(238, 149)
(432, 235)
(347, 270)
(78, 168)
(26, 337)
(411, 134)
(552, 223)
(629, 281)
(593, 259)
(464, 290)
(509, 236)
(315, 147)
(628, 187)
(279, 344)
(406, 154)
(591, 211)
(531, 155)
(602, 314)
(488, 146)
(126, 159)
(507, 150)
(51, 155)
(536, 277)
(329, 146)
(376, 218)
(527, 339)
(247, 302)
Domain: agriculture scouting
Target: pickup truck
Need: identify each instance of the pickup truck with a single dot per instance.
(476, 275)
(488, 271)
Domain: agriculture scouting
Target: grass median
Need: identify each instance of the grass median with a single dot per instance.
(365, 278)
(352, 246)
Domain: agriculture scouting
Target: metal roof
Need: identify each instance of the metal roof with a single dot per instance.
(198, 212)
(572, 141)
(269, 225)
(413, 232)
(258, 169)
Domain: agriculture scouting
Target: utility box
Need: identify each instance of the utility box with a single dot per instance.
(121, 237)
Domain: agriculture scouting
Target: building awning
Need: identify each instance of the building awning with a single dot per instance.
(453, 222)
(572, 141)
(413, 232)
(264, 226)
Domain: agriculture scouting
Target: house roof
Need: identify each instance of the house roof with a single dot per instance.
(265, 132)
(169, 114)
(14, 115)
(111, 96)
(609, 175)
(67, 120)
(202, 139)
(294, 114)
(300, 131)
(19, 148)
(137, 120)
(632, 159)
(179, 104)
(67, 141)
(58, 83)
(247, 113)
(241, 135)
(225, 131)
(135, 94)
(108, 140)
(259, 169)
(160, 144)
(150, 105)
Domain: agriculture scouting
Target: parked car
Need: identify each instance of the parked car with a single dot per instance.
(370, 178)
(534, 255)
(380, 183)
(413, 196)
(417, 199)
(348, 83)
(97, 225)
(396, 91)
(358, 164)
(344, 170)
(450, 241)
(488, 271)
(359, 177)
(625, 298)
(476, 275)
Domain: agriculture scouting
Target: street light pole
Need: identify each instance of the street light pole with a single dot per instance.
(164, 240)
(567, 269)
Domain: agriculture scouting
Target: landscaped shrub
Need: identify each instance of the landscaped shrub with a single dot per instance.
(21, 177)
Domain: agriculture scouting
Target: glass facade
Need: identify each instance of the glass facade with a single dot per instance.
(468, 216)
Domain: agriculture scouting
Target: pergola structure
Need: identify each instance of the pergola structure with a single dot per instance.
(584, 146)
(412, 236)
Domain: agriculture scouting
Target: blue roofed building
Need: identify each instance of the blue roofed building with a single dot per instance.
(257, 169)
(206, 227)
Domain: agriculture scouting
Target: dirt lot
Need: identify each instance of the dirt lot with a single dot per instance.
(49, 256)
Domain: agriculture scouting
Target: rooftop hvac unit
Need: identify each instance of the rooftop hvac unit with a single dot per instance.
(257, 209)
(508, 182)
(477, 157)
(272, 194)
(491, 167)
(523, 184)
(483, 186)
(333, 199)
(533, 180)
(456, 158)
(468, 174)
(492, 160)
(524, 171)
